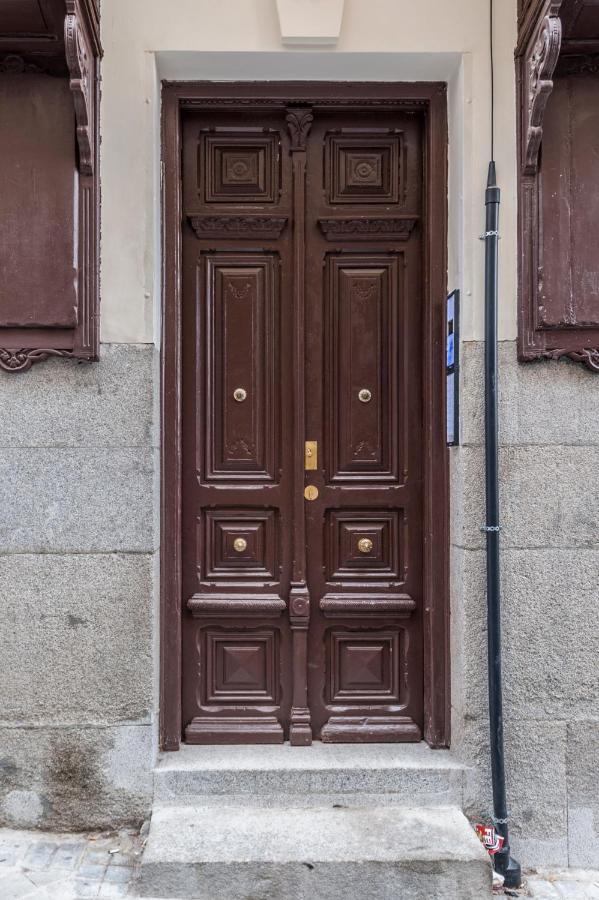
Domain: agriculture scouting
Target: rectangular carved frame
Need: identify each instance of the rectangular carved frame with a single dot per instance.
(432, 99)
(540, 42)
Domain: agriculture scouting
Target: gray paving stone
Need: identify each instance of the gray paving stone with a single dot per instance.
(118, 875)
(91, 871)
(39, 855)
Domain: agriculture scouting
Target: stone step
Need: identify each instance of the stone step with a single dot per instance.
(331, 853)
(374, 774)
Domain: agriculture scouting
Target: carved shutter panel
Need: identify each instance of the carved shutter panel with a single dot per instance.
(49, 68)
(557, 62)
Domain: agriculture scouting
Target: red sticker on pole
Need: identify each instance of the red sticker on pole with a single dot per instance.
(492, 841)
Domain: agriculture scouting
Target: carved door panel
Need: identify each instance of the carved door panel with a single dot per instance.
(301, 322)
(363, 403)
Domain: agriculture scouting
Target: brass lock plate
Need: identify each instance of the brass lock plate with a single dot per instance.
(311, 492)
(311, 455)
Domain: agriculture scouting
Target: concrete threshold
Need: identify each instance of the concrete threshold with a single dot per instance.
(410, 774)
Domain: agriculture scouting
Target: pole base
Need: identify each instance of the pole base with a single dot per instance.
(510, 869)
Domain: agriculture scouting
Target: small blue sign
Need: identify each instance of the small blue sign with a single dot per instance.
(452, 351)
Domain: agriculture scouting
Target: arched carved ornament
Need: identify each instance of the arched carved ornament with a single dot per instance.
(550, 326)
(71, 46)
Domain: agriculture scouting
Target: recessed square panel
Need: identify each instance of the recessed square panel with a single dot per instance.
(364, 666)
(241, 667)
(239, 543)
(240, 168)
(364, 544)
(363, 168)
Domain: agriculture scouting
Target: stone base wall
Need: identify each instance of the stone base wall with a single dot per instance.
(549, 471)
(78, 543)
(78, 594)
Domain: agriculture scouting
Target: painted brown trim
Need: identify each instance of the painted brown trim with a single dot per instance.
(431, 97)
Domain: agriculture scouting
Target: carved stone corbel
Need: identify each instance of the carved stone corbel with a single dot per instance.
(540, 63)
(80, 60)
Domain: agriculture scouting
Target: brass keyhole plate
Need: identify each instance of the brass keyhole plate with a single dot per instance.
(311, 492)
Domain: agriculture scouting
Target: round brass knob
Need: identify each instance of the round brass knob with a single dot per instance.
(364, 396)
(240, 544)
(239, 394)
(365, 545)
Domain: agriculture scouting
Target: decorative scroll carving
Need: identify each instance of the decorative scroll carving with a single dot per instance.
(82, 83)
(266, 227)
(540, 66)
(368, 229)
(589, 358)
(299, 122)
(22, 360)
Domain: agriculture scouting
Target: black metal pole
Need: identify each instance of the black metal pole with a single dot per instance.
(503, 861)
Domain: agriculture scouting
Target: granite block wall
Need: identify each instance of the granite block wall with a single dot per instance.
(78, 543)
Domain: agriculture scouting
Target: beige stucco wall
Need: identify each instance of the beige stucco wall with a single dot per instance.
(147, 40)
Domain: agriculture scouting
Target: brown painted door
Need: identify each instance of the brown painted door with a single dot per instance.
(302, 322)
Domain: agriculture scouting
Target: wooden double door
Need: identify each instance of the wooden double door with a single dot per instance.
(302, 425)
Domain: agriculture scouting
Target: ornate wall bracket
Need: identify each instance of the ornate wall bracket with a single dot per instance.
(80, 60)
(539, 68)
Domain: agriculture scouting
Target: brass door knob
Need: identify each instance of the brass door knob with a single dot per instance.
(365, 545)
(240, 544)
(239, 394)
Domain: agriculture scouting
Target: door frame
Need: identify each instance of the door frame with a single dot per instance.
(431, 98)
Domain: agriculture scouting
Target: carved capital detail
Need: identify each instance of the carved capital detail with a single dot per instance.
(299, 122)
(365, 228)
(267, 227)
(80, 61)
(540, 64)
(13, 361)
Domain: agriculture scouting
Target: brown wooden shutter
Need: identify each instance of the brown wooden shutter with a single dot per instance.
(49, 189)
(557, 60)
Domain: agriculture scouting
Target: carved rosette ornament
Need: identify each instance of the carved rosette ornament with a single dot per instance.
(80, 62)
(541, 66)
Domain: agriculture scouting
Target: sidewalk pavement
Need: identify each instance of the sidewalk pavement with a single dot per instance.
(36, 865)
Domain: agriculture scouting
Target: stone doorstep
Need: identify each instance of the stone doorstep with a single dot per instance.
(375, 774)
(245, 853)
